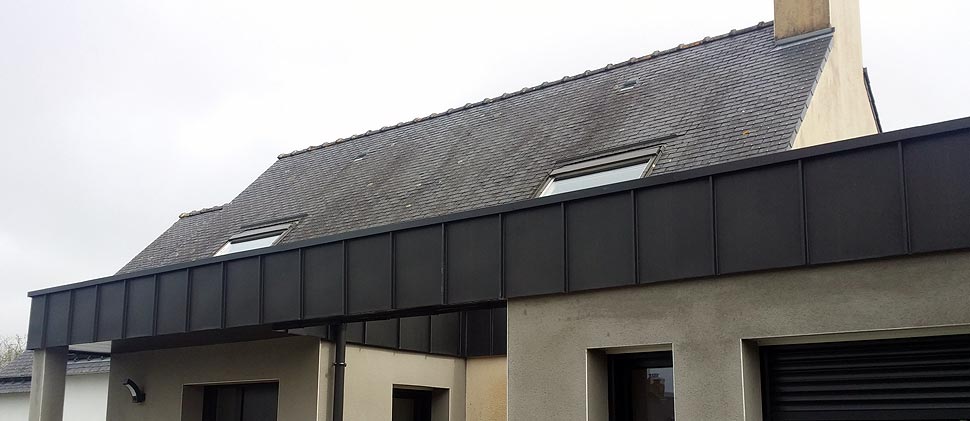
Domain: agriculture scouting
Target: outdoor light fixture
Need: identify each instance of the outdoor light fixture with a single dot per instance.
(137, 395)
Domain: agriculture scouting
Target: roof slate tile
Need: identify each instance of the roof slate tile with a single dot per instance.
(727, 97)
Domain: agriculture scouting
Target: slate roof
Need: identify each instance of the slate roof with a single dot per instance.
(15, 376)
(724, 98)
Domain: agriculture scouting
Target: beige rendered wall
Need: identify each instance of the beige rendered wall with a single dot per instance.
(839, 107)
(372, 374)
(705, 322)
(486, 383)
(294, 362)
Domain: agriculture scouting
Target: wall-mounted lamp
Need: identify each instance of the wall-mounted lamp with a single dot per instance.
(137, 395)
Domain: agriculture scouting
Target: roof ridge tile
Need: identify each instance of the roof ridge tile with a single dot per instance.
(200, 211)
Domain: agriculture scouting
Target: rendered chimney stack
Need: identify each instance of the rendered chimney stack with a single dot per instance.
(841, 106)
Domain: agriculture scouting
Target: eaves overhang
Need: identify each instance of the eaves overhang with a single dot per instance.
(892, 194)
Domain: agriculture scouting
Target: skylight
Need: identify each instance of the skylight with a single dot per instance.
(600, 171)
(254, 239)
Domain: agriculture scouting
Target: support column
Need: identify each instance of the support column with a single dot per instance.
(47, 385)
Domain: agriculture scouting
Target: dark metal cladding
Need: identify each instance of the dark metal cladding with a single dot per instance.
(111, 311)
(418, 267)
(355, 332)
(382, 333)
(474, 268)
(854, 205)
(445, 334)
(416, 334)
(83, 315)
(759, 219)
(205, 305)
(875, 196)
(675, 233)
(173, 292)
(35, 329)
(534, 252)
(281, 287)
(242, 292)
(140, 311)
(478, 333)
(323, 281)
(369, 274)
(58, 319)
(938, 191)
(500, 327)
(600, 242)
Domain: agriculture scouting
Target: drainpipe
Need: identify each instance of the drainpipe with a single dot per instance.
(339, 366)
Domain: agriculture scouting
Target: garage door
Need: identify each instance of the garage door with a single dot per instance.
(908, 379)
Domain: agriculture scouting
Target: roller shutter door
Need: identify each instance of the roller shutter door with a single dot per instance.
(909, 379)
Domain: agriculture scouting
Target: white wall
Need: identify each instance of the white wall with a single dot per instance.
(13, 406)
(85, 399)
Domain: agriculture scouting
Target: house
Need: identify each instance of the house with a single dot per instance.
(85, 388)
(686, 232)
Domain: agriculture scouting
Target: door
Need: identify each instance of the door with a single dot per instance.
(241, 402)
(900, 379)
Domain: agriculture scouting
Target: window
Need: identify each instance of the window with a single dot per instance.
(600, 171)
(411, 405)
(244, 402)
(254, 239)
(641, 387)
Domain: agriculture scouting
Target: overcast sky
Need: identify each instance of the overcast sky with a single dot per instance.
(115, 116)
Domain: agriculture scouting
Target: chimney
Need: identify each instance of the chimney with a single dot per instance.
(840, 106)
(800, 17)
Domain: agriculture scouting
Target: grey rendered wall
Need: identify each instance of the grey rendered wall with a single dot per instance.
(706, 323)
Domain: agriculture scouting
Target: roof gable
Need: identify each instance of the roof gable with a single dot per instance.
(722, 99)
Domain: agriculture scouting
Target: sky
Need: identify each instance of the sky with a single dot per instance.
(117, 115)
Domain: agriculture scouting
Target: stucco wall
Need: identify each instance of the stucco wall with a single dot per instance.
(84, 400)
(704, 322)
(302, 365)
(13, 406)
(372, 374)
(839, 107)
(486, 387)
(294, 362)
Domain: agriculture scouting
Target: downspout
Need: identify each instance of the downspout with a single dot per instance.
(339, 367)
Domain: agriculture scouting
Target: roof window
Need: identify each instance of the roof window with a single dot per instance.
(255, 238)
(600, 171)
(628, 84)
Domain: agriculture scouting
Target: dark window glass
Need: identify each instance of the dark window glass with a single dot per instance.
(243, 402)
(642, 387)
(411, 405)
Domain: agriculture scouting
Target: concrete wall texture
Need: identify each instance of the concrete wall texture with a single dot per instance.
(84, 400)
(486, 387)
(173, 380)
(706, 323)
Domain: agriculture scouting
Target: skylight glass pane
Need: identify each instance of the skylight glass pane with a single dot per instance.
(236, 246)
(602, 178)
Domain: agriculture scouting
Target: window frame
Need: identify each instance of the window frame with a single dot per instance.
(253, 234)
(655, 359)
(575, 168)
